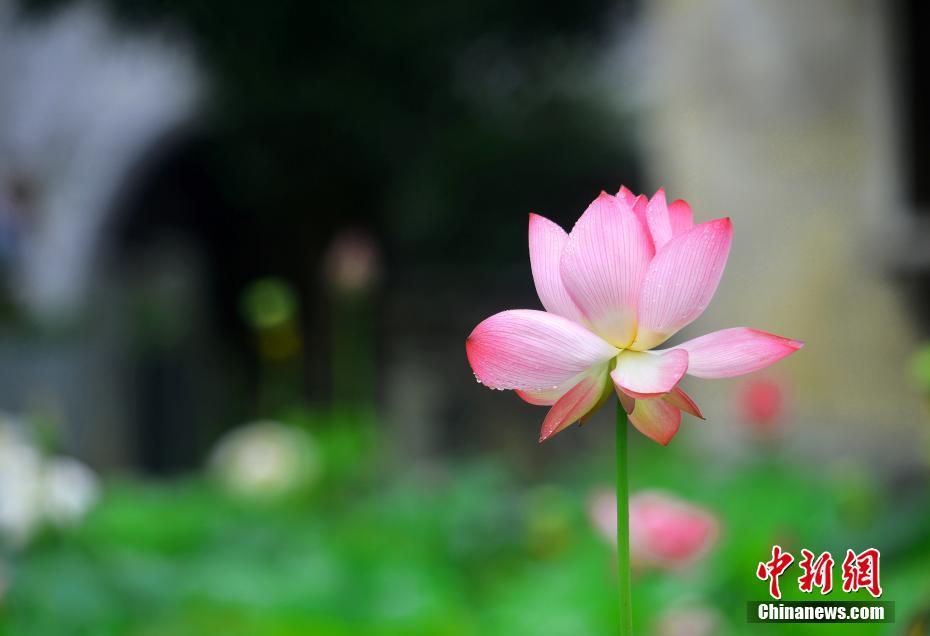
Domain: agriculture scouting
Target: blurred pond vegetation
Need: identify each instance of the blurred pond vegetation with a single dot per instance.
(462, 549)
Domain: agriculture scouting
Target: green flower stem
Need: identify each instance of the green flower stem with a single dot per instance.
(623, 524)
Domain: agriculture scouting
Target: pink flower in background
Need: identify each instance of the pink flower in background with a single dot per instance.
(665, 532)
(631, 274)
(353, 261)
(761, 406)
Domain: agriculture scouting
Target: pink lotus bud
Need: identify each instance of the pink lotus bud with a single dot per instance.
(761, 406)
(665, 532)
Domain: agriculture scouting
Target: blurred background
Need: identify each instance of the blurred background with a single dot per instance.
(241, 246)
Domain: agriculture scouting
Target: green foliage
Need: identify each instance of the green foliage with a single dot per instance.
(451, 551)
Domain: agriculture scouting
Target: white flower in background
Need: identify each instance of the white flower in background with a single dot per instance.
(69, 490)
(82, 105)
(265, 459)
(20, 487)
(35, 491)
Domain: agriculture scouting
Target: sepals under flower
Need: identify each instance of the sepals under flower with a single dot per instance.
(576, 404)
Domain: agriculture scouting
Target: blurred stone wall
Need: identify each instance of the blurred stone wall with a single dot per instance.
(782, 116)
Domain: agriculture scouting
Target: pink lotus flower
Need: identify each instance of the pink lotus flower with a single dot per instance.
(665, 532)
(630, 275)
